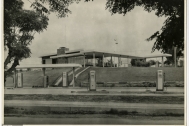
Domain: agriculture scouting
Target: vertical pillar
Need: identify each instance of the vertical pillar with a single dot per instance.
(162, 62)
(84, 60)
(92, 81)
(103, 60)
(20, 80)
(157, 63)
(129, 61)
(73, 77)
(118, 64)
(43, 71)
(94, 65)
(120, 61)
(44, 78)
(175, 56)
(160, 80)
(114, 62)
(111, 61)
(64, 79)
(15, 78)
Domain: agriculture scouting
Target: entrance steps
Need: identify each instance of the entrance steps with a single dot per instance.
(59, 79)
(70, 73)
(78, 75)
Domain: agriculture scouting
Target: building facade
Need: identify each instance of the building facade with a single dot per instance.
(91, 58)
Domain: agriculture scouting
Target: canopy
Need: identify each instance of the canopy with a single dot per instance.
(47, 66)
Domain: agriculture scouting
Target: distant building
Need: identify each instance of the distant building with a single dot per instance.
(85, 57)
(91, 58)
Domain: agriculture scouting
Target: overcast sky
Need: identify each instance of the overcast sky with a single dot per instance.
(90, 26)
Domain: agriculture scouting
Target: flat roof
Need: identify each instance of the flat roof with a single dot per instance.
(97, 53)
(82, 52)
(67, 55)
(72, 51)
(52, 54)
(157, 55)
(108, 54)
(47, 66)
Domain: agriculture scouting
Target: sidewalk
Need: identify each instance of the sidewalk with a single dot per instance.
(170, 91)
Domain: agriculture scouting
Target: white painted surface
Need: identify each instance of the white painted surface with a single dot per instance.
(64, 80)
(82, 71)
(47, 66)
(92, 80)
(20, 79)
(113, 90)
(160, 79)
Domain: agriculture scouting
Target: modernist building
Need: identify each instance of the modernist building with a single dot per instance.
(83, 57)
(88, 57)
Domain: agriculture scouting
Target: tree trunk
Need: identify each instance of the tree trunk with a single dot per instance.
(9, 71)
(7, 61)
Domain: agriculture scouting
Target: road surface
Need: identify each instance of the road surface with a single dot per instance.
(130, 121)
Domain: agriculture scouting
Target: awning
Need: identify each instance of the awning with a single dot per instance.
(157, 55)
(109, 54)
(52, 54)
(48, 66)
(67, 55)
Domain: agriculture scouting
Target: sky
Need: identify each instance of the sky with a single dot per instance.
(91, 26)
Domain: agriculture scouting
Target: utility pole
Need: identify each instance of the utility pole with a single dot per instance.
(116, 51)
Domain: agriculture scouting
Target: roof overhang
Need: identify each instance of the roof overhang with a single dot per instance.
(67, 55)
(109, 54)
(73, 51)
(53, 54)
(48, 66)
(106, 54)
(157, 55)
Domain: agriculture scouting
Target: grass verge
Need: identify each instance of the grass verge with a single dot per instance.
(99, 98)
(21, 111)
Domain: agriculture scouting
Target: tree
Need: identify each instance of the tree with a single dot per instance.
(171, 33)
(19, 28)
(152, 62)
(140, 63)
(57, 6)
(170, 60)
(21, 25)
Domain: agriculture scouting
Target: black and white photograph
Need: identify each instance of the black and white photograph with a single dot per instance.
(94, 62)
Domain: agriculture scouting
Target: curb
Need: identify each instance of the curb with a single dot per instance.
(127, 92)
